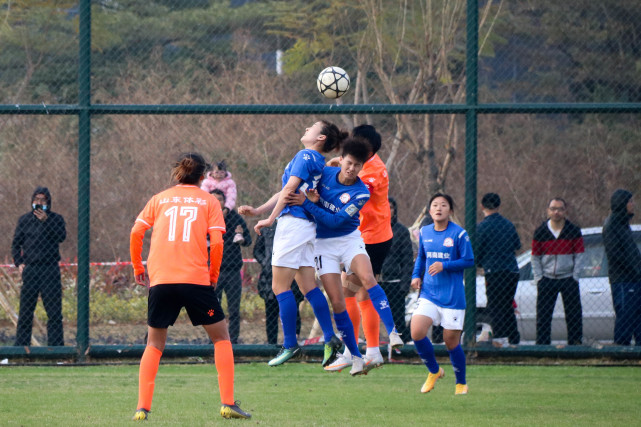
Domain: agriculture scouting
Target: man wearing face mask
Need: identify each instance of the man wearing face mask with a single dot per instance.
(35, 251)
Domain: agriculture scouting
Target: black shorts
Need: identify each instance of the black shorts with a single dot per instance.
(166, 301)
(377, 253)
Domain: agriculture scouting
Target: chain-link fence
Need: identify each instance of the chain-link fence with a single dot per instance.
(558, 103)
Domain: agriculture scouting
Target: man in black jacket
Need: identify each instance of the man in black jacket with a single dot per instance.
(35, 251)
(496, 243)
(624, 268)
(396, 274)
(229, 281)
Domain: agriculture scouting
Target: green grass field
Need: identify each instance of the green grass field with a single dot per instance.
(300, 394)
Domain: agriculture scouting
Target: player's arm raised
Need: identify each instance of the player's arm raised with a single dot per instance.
(265, 207)
(328, 218)
(290, 187)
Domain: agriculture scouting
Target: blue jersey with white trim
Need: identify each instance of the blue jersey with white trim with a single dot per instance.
(451, 247)
(308, 166)
(336, 213)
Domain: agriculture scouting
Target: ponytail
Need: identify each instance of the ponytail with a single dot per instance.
(334, 136)
(189, 168)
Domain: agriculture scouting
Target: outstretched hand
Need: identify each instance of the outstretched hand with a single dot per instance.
(247, 210)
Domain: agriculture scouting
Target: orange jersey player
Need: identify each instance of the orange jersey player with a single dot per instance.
(376, 217)
(181, 217)
(179, 276)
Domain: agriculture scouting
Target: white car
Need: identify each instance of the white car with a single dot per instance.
(596, 298)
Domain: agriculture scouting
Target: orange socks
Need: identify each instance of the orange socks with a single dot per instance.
(224, 360)
(147, 376)
(354, 314)
(371, 323)
(223, 357)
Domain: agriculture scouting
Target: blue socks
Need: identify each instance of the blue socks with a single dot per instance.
(425, 350)
(288, 315)
(457, 356)
(381, 304)
(321, 311)
(346, 328)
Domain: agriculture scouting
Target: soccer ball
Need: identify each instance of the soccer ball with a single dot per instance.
(333, 82)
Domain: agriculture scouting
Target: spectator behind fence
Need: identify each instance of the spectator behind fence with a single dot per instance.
(36, 252)
(220, 179)
(624, 268)
(497, 241)
(263, 254)
(396, 274)
(557, 250)
(230, 281)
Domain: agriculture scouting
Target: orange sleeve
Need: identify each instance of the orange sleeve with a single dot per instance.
(215, 254)
(135, 246)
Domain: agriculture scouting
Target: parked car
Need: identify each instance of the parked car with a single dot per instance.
(596, 297)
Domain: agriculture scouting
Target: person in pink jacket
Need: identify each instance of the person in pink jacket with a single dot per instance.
(220, 179)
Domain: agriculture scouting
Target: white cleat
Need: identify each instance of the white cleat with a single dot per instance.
(339, 364)
(373, 362)
(358, 366)
(395, 340)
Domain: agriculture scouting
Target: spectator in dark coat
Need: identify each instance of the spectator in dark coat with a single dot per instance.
(396, 275)
(263, 254)
(496, 244)
(36, 253)
(230, 281)
(624, 268)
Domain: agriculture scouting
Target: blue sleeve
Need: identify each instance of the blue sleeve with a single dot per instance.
(466, 256)
(300, 167)
(329, 219)
(419, 265)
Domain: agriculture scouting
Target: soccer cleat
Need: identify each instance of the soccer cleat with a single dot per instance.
(461, 389)
(331, 350)
(431, 380)
(358, 366)
(373, 362)
(284, 355)
(395, 340)
(141, 414)
(233, 411)
(339, 364)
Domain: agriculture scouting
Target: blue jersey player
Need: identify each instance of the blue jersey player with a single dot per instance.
(293, 252)
(339, 197)
(444, 252)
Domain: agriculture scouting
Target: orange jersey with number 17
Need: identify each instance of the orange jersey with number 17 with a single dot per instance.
(181, 217)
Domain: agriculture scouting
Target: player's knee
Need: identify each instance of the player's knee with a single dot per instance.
(338, 305)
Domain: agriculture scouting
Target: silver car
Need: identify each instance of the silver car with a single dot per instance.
(596, 298)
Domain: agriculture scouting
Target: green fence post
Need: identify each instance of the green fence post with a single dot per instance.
(471, 100)
(84, 163)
